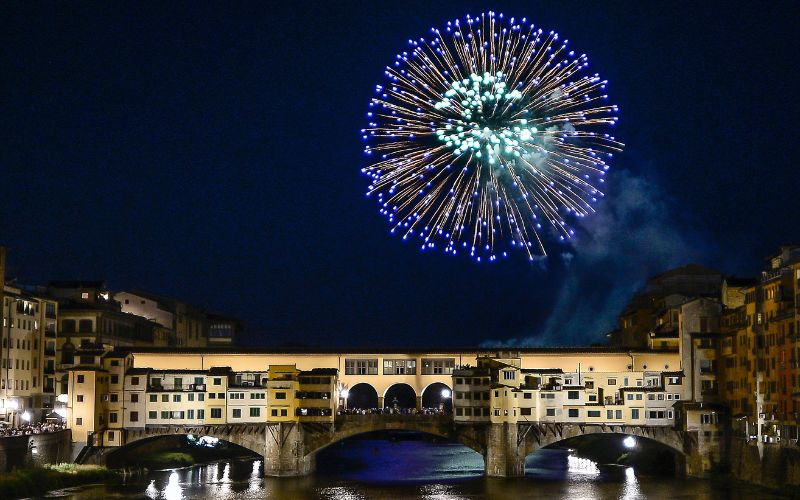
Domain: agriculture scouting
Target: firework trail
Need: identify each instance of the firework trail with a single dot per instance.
(488, 137)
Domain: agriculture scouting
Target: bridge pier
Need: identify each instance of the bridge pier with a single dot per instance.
(285, 451)
(505, 455)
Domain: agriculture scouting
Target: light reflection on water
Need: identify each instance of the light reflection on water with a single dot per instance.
(411, 469)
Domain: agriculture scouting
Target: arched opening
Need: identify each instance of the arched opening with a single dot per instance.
(438, 397)
(174, 450)
(398, 456)
(400, 397)
(362, 397)
(604, 456)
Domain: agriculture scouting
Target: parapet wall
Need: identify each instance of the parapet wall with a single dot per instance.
(17, 452)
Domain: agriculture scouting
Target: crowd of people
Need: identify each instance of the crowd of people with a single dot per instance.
(28, 429)
(392, 411)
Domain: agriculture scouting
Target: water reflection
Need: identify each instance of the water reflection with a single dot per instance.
(630, 491)
(173, 488)
(412, 469)
(255, 477)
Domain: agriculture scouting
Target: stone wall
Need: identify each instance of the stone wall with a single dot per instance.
(779, 468)
(17, 452)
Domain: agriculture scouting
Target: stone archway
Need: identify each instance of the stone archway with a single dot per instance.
(362, 396)
(400, 396)
(438, 396)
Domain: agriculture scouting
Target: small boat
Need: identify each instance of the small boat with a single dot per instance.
(612, 472)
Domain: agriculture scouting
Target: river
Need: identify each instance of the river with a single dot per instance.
(377, 468)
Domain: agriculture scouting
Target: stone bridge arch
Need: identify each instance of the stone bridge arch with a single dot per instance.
(539, 435)
(348, 426)
(248, 436)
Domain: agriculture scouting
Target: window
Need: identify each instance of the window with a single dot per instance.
(255, 412)
(176, 398)
(201, 396)
(284, 412)
(274, 413)
(635, 414)
(152, 415)
(190, 414)
(80, 379)
(220, 395)
(79, 421)
(609, 414)
(399, 366)
(593, 413)
(237, 413)
(573, 413)
(525, 411)
(437, 366)
(550, 412)
(112, 417)
(509, 375)
(165, 398)
(361, 366)
(216, 412)
(217, 381)
(280, 395)
(164, 415)
(114, 379)
(134, 416)
(85, 326)
(79, 398)
(134, 398)
(630, 397)
(153, 398)
(573, 395)
(114, 398)
(190, 396)
(110, 435)
(201, 414)
(212, 395)
(527, 395)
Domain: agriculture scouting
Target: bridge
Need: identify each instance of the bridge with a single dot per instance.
(289, 448)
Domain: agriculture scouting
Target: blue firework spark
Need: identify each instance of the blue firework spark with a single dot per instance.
(490, 136)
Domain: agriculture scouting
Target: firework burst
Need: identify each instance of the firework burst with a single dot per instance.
(488, 137)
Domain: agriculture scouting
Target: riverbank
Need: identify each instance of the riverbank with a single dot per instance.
(35, 481)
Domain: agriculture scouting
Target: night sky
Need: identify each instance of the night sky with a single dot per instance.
(211, 153)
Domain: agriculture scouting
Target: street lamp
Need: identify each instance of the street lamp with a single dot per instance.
(26, 416)
(629, 442)
(446, 393)
(345, 393)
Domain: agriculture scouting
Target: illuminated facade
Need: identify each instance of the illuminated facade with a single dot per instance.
(157, 388)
